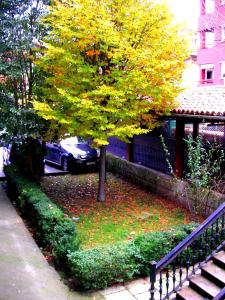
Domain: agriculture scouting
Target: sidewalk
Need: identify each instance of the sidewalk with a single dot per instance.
(24, 272)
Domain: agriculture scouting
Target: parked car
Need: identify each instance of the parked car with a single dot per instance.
(71, 153)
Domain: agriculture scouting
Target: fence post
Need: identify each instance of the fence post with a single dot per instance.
(152, 279)
(129, 154)
(180, 132)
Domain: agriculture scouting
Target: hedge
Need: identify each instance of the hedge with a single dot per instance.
(102, 266)
(98, 267)
(52, 228)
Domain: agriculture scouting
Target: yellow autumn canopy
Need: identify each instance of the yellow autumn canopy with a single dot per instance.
(111, 67)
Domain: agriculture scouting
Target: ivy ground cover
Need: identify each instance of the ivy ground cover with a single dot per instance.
(128, 211)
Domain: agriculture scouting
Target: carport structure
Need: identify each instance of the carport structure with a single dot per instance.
(200, 111)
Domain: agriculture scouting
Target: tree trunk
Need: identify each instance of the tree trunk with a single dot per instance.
(102, 174)
(31, 78)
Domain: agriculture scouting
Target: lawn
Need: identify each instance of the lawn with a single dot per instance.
(129, 209)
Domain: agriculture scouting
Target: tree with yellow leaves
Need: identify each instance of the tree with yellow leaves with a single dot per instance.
(113, 66)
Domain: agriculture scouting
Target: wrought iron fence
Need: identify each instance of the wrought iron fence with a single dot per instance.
(171, 272)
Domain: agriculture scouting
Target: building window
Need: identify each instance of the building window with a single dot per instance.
(209, 6)
(222, 70)
(209, 38)
(207, 73)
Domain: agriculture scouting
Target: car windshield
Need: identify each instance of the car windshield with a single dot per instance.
(73, 141)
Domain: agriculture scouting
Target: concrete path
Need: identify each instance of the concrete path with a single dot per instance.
(24, 272)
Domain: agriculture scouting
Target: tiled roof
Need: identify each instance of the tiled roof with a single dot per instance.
(204, 100)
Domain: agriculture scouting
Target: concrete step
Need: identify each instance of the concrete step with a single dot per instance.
(219, 259)
(204, 286)
(187, 293)
(214, 273)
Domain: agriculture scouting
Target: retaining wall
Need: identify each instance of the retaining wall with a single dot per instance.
(160, 183)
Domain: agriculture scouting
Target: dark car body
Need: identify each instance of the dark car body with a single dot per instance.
(71, 153)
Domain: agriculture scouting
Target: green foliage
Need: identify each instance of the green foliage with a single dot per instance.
(102, 266)
(28, 155)
(20, 33)
(150, 245)
(167, 155)
(65, 242)
(203, 171)
(204, 163)
(99, 267)
(105, 71)
(51, 227)
(101, 59)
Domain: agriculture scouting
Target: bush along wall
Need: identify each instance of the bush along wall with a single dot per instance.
(52, 228)
(94, 268)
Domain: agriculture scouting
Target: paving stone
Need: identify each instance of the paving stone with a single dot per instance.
(122, 295)
(137, 286)
(113, 289)
(143, 296)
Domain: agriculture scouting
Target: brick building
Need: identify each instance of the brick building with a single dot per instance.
(211, 54)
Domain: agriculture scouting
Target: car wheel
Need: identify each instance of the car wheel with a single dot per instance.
(65, 164)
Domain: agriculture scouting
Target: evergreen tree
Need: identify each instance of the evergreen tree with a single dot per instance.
(20, 33)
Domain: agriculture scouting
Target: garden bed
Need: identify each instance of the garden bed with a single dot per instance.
(92, 266)
(129, 210)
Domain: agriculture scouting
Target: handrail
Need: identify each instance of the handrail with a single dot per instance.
(221, 295)
(174, 270)
(188, 240)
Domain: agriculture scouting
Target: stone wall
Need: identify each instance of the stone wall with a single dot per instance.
(159, 183)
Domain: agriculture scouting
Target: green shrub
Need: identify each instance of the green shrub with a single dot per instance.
(51, 227)
(65, 241)
(102, 266)
(155, 245)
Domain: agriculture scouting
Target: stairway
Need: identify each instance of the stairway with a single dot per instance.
(209, 283)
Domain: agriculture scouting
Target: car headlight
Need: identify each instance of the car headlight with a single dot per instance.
(76, 156)
(98, 153)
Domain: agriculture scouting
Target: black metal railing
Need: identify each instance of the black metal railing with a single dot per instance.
(169, 274)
